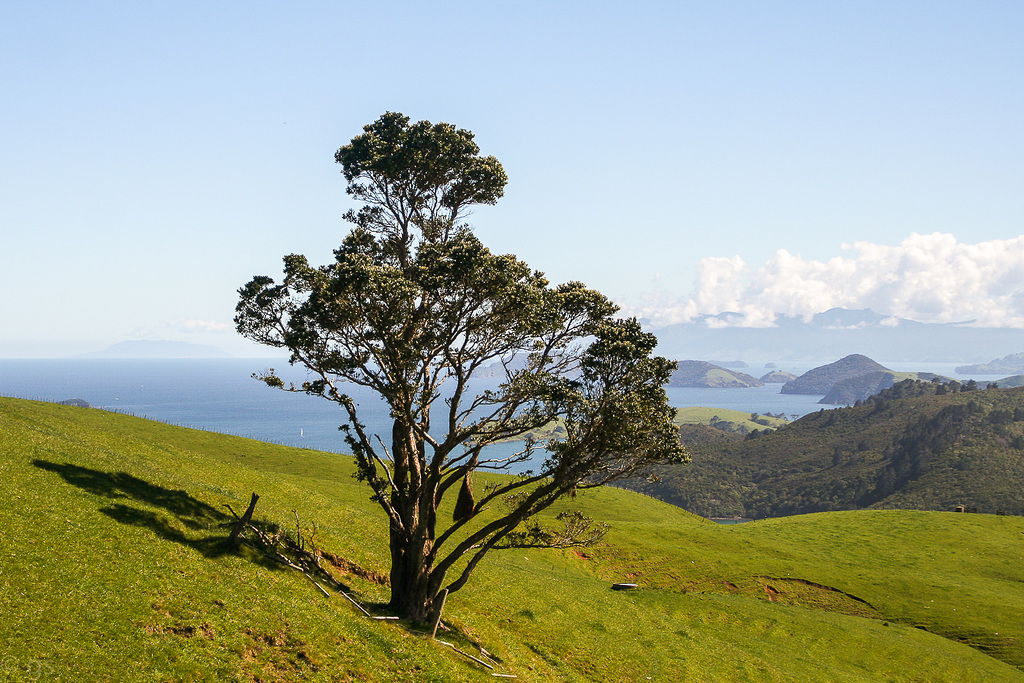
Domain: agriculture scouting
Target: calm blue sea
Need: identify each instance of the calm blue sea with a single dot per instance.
(220, 395)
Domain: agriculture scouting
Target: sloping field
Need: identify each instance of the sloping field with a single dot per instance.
(114, 567)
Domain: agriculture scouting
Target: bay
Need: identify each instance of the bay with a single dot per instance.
(216, 395)
(220, 395)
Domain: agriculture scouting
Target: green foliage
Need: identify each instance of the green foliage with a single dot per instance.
(418, 174)
(722, 420)
(412, 307)
(113, 568)
(918, 445)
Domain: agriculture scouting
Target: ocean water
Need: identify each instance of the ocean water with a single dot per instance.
(217, 395)
(220, 395)
(212, 394)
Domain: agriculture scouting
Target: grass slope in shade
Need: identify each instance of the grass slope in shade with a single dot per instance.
(113, 569)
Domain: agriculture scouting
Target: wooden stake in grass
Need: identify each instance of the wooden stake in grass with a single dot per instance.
(243, 520)
(444, 597)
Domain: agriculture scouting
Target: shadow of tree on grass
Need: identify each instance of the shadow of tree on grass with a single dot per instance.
(205, 522)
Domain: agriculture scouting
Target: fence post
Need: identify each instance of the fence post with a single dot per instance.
(444, 597)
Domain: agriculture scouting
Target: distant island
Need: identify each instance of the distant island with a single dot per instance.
(839, 332)
(820, 380)
(777, 376)
(855, 378)
(704, 375)
(77, 402)
(851, 379)
(847, 392)
(1012, 364)
(145, 348)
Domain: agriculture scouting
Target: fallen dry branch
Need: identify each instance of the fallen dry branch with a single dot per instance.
(466, 654)
(300, 553)
(489, 664)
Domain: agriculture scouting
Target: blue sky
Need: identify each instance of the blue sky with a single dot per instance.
(682, 157)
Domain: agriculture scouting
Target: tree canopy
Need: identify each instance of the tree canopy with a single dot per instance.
(412, 306)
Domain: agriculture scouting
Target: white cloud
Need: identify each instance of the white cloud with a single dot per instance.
(201, 326)
(928, 278)
(182, 326)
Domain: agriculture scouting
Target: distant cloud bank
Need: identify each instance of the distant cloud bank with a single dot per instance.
(183, 326)
(927, 278)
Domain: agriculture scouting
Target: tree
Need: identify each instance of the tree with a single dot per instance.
(411, 306)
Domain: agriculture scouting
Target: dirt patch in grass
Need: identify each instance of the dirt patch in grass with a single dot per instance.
(350, 567)
(203, 630)
(278, 656)
(795, 591)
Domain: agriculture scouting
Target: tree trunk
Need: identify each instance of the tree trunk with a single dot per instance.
(414, 588)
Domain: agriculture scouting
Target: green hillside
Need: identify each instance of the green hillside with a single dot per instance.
(115, 568)
(725, 420)
(847, 392)
(898, 450)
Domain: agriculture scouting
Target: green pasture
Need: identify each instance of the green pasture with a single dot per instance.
(114, 568)
(702, 415)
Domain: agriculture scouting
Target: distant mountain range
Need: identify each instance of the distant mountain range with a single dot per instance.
(1014, 363)
(836, 333)
(145, 348)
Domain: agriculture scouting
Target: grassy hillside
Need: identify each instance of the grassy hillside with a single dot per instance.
(114, 568)
(725, 420)
(930, 452)
(847, 392)
(722, 419)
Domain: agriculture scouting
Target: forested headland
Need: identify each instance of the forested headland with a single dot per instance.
(918, 445)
